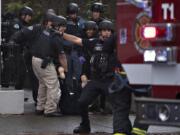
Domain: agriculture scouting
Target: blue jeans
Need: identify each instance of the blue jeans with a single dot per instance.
(74, 69)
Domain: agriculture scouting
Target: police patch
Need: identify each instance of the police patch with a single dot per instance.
(16, 26)
(30, 28)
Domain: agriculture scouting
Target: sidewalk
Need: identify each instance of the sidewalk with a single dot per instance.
(31, 124)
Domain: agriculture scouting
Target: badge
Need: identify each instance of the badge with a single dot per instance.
(16, 26)
(30, 28)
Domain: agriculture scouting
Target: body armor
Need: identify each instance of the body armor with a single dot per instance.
(99, 59)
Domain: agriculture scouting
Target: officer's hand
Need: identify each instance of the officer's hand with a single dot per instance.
(61, 73)
(84, 80)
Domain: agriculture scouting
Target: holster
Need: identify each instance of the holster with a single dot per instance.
(45, 62)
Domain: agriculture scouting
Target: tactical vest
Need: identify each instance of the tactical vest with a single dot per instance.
(99, 60)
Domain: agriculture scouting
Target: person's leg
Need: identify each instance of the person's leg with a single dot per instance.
(102, 103)
(33, 79)
(35, 85)
(77, 70)
(41, 98)
(139, 129)
(21, 72)
(77, 66)
(121, 102)
(6, 73)
(88, 95)
(53, 89)
(68, 79)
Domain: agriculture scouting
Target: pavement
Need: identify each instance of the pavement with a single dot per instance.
(31, 124)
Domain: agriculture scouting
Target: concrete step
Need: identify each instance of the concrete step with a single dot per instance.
(11, 101)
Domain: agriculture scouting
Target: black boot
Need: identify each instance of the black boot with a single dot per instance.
(82, 129)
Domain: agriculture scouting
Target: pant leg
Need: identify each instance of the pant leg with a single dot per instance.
(42, 90)
(6, 73)
(88, 95)
(68, 79)
(49, 78)
(53, 89)
(121, 102)
(102, 103)
(35, 85)
(76, 71)
(141, 129)
(41, 99)
(77, 66)
(21, 72)
(33, 79)
(141, 126)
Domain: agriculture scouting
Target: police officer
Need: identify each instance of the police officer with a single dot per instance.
(23, 20)
(97, 9)
(16, 74)
(24, 58)
(75, 27)
(90, 31)
(103, 60)
(46, 46)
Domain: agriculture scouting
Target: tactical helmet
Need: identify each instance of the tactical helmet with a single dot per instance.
(72, 8)
(90, 25)
(106, 25)
(50, 10)
(59, 21)
(49, 16)
(97, 7)
(26, 11)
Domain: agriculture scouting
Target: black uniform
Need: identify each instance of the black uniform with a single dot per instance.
(101, 102)
(24, 63)
(24, 67)
(13, 55)
(103, 61)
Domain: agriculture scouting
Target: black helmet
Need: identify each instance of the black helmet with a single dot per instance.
(106, 25)
(59, 21)
(72, 8)
(50, 10)
(26, 11)
(98, 7)
(90, 25)
(48, 16)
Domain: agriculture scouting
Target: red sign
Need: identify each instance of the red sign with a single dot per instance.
(165, 11)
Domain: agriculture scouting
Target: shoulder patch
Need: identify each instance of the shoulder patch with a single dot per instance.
(16, 26)
(30, 28)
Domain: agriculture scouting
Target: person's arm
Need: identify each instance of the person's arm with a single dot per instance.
(63, 61)
(23, 35)
(72, 38)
